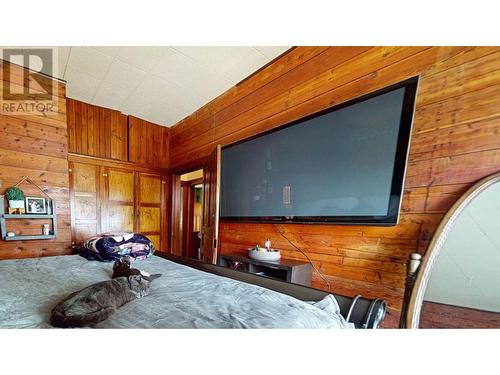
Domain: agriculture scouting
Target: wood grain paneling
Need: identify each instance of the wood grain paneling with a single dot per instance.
(151, 206)
(36, 146)
(119, 201)
(150, 219)
(149, 143)
(120, 218)
(150, 189)
(455, 142)
(97, 131)
(85, 203)
(120, 185)
(111, 195)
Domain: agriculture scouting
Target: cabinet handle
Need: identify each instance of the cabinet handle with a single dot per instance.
(104, 175)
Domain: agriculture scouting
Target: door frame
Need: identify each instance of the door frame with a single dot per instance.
(188, 214)
(176, 235)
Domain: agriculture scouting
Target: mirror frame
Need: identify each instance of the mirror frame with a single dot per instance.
(437, 242)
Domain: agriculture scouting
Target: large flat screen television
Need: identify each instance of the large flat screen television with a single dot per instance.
(343, 165)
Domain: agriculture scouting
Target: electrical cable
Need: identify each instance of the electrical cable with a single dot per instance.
(309, 260)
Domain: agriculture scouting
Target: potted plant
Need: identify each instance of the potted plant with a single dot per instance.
(15, 197)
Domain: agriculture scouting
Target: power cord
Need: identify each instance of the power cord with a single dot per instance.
(309, 260)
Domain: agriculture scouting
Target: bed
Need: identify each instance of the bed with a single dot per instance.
(188, 295)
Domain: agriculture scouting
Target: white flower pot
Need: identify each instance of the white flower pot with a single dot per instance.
(263, 254)
(16, 204)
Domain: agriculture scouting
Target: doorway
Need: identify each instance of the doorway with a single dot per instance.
(192, 191)
(188, 206)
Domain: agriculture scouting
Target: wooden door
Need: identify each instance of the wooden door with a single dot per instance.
(85, 201)
(150, 207)
(175, 218)
(210, 217)
(118, 186)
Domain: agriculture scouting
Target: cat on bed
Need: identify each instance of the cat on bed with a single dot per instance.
(122, 267)
(97, 302)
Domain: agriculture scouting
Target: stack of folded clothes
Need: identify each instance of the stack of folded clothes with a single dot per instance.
(110, 246)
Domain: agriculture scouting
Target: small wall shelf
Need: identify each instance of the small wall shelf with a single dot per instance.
(4, 217)
(28, 216)
(24, 238)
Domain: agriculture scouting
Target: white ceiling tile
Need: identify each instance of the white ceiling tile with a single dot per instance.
(271, 52)
(209, 85)
(144, 58)
(177, 68)
(110, 96)
(82, 82)
(124, 75)
(183, 97)
(253, 62)
(218, 59)
(62, 57)
(164, 83)
(156, 87)
(89, 61)
(107, 50)
(136, 104)
(168, 116)
(74, 92)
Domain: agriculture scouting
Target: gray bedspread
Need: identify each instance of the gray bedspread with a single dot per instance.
(182, 298)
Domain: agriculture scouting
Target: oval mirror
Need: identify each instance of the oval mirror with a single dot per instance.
(458, 283)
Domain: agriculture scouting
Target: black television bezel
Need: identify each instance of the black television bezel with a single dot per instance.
(398, 175)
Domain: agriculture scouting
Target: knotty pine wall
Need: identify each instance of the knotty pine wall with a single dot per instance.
(109, 134)
(97, 131)
(36, 146)
(455, 142)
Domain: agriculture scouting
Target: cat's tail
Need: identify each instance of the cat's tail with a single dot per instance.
(152, 277)
(57, 319)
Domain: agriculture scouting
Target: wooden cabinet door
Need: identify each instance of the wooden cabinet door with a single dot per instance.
(151, 208)
(118, 186)
(85, 202)
(210, 216)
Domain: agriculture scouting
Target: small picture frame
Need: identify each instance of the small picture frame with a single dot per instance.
(36, 205)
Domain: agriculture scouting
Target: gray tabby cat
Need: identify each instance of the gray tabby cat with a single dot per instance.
(97, 302)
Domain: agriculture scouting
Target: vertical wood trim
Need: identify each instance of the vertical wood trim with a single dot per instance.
(102, 133)
(137, 201)
(96, 127)
(175, 235)
(165, 194)
(70, 110)
(125, 137)
(78, 126)
(90, 130)
(72, 200)
(85, 130)
(107, 133)
(101, 197)
(104, 192)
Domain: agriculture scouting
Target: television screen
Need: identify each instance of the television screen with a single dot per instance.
(343, 165)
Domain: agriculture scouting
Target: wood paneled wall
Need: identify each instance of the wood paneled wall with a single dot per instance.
(107, 133)
(97, 131)
(36, 146)
(149, 143)
(455, 142)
